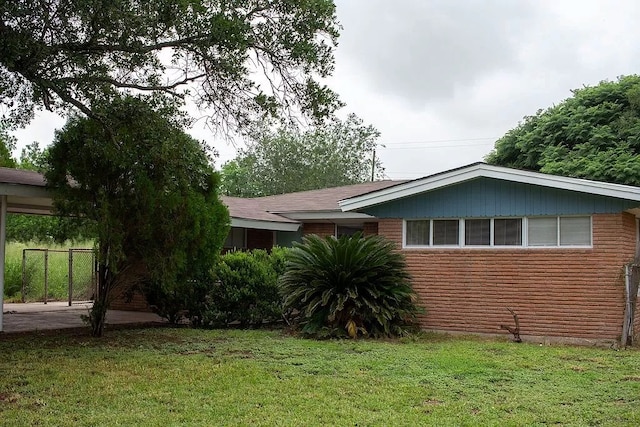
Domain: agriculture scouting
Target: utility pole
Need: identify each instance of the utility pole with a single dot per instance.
(373, 165)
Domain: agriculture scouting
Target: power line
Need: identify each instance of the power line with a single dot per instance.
(435, 141)
(432, 146)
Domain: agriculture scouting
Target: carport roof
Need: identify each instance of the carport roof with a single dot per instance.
(26, 191)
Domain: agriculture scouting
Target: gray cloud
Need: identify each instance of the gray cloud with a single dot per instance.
(423, 51)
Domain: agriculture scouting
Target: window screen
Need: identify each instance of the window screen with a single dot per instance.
(575, 231)
(417, 233)
(445, 232)
(235, 238)
(543, 231)
(346, 230)
(507, 232)
(477, 232)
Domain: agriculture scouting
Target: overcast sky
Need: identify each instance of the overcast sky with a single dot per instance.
(443, 79)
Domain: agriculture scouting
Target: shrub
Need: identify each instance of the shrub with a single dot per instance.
(349, 286)
(240, 289)
(245, 290)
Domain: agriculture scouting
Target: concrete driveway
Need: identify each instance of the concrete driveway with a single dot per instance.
(58, 315)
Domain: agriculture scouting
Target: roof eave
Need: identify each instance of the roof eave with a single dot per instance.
(481, 170)
(264, 225)
(324, 215)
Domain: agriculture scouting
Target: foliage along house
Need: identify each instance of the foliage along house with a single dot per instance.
(481, 239)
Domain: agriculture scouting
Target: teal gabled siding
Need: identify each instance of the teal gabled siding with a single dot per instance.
(488, 197)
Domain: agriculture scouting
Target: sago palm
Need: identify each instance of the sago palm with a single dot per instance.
(351, 284)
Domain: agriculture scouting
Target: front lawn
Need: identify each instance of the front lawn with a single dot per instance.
(163, 377)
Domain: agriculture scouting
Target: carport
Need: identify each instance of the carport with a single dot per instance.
(24, 191)
(21, 191)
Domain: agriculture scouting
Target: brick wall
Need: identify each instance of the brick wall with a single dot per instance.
(137, 303)
(259, 239)
(321, 229)
(576, 293)
(370, 228)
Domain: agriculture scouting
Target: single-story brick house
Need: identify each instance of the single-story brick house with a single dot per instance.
(481, 239)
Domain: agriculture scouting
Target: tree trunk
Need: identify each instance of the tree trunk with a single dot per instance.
(97, 316)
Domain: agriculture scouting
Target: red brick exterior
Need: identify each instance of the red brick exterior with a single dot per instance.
(370, 228)
(259, 239)
(321, 229)
(576, 293)
(137, 303)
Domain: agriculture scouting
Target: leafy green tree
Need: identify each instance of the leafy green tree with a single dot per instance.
(7, 145)
(32, 157)
(27, 228)
(351, 285)
(240, 59)
(595, 134)
(150, 190)
(288, 160)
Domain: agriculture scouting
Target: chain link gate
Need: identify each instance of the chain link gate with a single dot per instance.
(55, 274)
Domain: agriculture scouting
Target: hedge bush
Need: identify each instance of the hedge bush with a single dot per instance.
(241, 289)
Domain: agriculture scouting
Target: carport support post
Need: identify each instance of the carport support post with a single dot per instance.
(70, 277)
(3, 238)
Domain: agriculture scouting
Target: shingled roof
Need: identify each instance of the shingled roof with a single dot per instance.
(25, 191)
(21, 177)
(323, 200)
(251, 209)
(272, 212)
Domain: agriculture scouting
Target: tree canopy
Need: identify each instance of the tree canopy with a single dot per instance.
(288, 159)
(150, 190)
(7, 145)
(240, 59)
(595, 134)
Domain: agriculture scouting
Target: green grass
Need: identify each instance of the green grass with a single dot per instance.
(58, 283)
(166, 377)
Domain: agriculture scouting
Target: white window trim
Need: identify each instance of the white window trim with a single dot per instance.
(524, 237)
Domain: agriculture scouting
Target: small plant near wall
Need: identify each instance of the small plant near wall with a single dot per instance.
(351, 286)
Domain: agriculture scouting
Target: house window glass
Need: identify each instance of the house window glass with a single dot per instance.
(477, 232)
(235, 238)
(417, 233)
(348, 230)
(543, 231)
(507, 232)
(548, 231)
(575, 231)
(445, 232)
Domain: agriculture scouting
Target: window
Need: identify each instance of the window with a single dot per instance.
(417, 233)
(236, 238)
(543, 231)
(346, 230)
(575, 231)
(445, 232)
(507, 232)
(560, 231)
(550, 231)
(477, 232)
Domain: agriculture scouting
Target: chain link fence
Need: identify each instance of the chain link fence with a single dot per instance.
(58, 275)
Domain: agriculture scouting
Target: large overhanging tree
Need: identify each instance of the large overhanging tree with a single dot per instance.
(595, 134)
(151, 192)
(239, 59)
